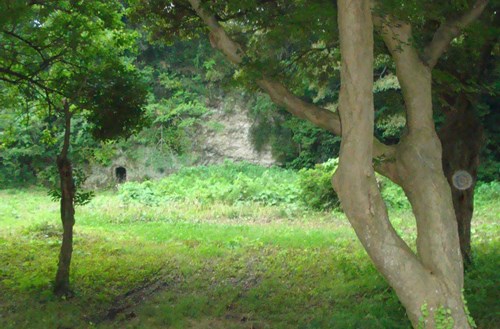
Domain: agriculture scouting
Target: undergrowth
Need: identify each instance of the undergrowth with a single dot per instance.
(229, 182)
(233, 183)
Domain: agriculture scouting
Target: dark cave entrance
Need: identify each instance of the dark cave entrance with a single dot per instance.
(121, 174)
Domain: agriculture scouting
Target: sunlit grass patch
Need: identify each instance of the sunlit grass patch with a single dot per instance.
(193, 265)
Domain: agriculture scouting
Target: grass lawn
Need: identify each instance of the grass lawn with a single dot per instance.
(193, 265)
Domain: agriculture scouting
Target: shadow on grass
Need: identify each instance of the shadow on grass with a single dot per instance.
(250, 285)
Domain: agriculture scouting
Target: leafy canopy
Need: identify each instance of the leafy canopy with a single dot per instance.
(74, 50)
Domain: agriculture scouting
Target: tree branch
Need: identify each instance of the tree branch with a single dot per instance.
(449, 30)
(413, 74)
(280, 95)
(26, 41)
(23, 78)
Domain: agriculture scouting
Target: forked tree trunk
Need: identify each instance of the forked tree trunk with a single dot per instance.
(462, 137)
(433, 280)
(62, 281)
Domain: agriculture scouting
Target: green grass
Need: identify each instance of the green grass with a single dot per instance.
(220, 265)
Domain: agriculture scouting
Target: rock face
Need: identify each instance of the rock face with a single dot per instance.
(226, 135)
(133, 169)
(230, 140)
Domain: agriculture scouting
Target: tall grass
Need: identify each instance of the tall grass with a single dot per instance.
(233, 183)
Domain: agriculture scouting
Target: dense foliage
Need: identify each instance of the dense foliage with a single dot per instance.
(187, 79)
(66, 52)
(234, 183)
(316, 183)
(229, 182)
(308, 62)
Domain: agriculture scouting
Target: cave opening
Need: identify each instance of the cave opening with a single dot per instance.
(121, 174)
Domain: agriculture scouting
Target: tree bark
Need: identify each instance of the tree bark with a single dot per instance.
(431, 280)
(419, 165)
(448, 30)
(62, 280)
(462, 139)
(354, 179)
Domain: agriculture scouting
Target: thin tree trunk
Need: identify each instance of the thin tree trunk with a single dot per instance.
(462, 138)
(62, 281)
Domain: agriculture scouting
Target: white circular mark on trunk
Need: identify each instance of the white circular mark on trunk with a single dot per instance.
(462, 180)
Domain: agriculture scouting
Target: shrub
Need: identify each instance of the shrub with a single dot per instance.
(487, 193)
(140, 192)
(317, 191)
(229, 182)
(392, 194)
(316, 187)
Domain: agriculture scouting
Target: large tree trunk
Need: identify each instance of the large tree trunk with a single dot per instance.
(432, 281)
(62, 282)
(462, 138)
(429, 284)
